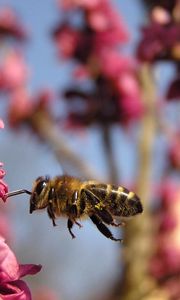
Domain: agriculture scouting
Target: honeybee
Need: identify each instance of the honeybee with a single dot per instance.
(75, 199)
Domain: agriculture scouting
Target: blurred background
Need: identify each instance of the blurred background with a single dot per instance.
(112, 149)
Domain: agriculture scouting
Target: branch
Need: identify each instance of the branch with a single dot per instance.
(138, 232)
(48, 132)
(109, 155)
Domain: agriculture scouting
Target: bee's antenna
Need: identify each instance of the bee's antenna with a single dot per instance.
(18, 192)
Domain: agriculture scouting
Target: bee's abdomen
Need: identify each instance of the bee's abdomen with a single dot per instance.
(122, 202)
(100, 190)
(116, 196)
(118, 200)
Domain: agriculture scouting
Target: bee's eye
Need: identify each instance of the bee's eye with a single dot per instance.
(40, 186)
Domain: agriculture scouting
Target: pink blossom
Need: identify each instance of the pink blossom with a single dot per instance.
(66, 39)
(81, 72)
(104, 17)
(166, 259)
(23, 105)
(174, 152)
(2, 172)
(173, 92)
(167, 221)
(107, 24)
(5, 226)
(109, 30)
(94, 47)
(159, 42)
(3, 185)
(3, 190)
(1, 123)
(106, 29)
(131, 108)
(13, 71)
(112, 36)
(11, 286)
(130, 96)
(20, 107)
(173, 287)
(113, 64)
(86, 4)
(168, 192)
(160, 15)
(10, 25)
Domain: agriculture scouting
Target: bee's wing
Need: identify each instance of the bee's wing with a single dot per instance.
(91, 197)
(98, 207)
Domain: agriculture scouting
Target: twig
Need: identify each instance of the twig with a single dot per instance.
(51, 134)
(138, 232)
(112, 165)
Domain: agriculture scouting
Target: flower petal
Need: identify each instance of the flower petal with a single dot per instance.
(16, 290)
(3, 190)
(9, 269)
(1, 123)
(29, 269)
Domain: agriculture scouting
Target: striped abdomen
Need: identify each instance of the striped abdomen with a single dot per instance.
(119, 201)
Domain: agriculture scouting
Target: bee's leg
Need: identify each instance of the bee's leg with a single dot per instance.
(70, 225)
(73, 210)
(100, 210)
(50, 209)
(75, 197)
(107, 217)
(118, 224)
(102, 228)
(51, 212)
(79, 224)
(73, 213)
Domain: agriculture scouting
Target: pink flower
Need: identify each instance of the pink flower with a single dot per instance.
(13, 71)
(160, 15)
(5, 226)
(3, 190)
(167, 221)
(166, 258)
(159, 42)
(81, 72)
(168, 192)
(102, 28)
(3, 185)
(86, 4)
(9, 24)
(174, 152)
(129, 96)
(173, 92)
(20, 107)
(2, 172)
(166, 261)
(107, 24)
(66, 39)
(1, 123)
(131, 108)
(11, 286)
(113, 64)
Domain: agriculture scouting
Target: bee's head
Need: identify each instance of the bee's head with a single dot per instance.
(39, 193)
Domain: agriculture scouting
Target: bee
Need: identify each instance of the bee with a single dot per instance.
(66, 196)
